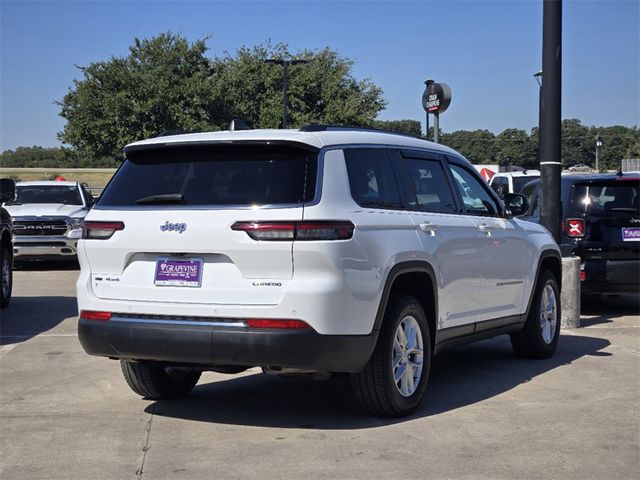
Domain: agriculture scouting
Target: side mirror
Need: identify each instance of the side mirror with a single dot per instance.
(515, 204)
(7, 190)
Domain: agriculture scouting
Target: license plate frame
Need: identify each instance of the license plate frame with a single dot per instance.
(172, 272)
(630, 234)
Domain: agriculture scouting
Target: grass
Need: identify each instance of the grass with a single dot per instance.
(94, 177)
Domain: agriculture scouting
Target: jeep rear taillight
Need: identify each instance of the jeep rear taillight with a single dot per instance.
(93, 315)
(312, 230)
(276, 323)
(101, 230)
(573, 227)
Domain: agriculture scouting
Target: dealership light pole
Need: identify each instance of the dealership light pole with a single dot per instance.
(550, 117)
(598, 145)
(285, 82)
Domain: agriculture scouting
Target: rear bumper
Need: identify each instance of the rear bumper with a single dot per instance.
(611, 276)
(212, 344)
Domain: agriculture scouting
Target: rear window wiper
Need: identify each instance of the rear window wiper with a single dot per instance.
(163, 199)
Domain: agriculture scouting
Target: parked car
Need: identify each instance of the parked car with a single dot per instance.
(7, 192)
(512, 182)
(47, 219)
(323, 249)
(601, 225)
(579, 167)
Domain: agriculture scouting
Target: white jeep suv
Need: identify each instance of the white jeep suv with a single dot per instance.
(323, 249)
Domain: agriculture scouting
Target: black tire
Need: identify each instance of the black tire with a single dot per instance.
(6, 276)
(374, 387)
(157, 382)
(530, 342)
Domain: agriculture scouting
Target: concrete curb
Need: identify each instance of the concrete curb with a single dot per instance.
(570, 297)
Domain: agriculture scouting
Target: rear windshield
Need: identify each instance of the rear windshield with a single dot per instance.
(243, 175)
(65, 194)
(519, 182)
(608, 198)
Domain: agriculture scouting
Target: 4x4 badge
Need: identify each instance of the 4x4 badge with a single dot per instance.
(173, 227)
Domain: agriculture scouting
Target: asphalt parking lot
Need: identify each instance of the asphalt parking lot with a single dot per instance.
(487, 414)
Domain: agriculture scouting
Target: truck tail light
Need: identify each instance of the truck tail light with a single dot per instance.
(312, 230)
(101, 230)
(271, 323)
(573, 227)
(93, 315)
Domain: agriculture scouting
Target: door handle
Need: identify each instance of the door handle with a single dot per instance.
(429, 228)
(486, 229)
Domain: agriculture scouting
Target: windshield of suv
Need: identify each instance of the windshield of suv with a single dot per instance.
(608, 198)
(66, 194)
(223, 174)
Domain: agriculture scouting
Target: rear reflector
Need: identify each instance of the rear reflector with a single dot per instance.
(271, 323)
(92, 315)
(101, 230)
(573, 227)
(313, 230)
(583, 276)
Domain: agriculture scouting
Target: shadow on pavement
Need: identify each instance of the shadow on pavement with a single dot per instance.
(459, 377)
(49, 265)
(27, 317)
(597, 310)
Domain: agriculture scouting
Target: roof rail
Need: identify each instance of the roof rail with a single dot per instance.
(168, 133)
(314, 127)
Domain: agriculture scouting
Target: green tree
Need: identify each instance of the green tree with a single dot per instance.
(515, 147)
(323, 90)
(478, 146)
(577, 143)
(410, 127)
(167, 83)
(618, 143)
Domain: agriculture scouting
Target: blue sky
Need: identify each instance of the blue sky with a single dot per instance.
(486, 51)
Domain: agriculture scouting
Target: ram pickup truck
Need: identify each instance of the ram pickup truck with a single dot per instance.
(47, 219)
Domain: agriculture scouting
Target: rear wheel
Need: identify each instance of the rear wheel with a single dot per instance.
(157, 382)
(539, 337)
(6, 276)
(393, 383)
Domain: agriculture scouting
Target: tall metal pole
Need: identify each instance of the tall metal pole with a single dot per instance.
(436, 127)
(285, 86)
(550, 117)
(426, 132)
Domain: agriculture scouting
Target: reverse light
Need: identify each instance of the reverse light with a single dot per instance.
(93, 315)
(276, 323)
(101, 230)
(312, 230)
(573, 227)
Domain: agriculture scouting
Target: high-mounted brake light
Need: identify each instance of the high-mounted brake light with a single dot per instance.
(271, 323)
(101, 230)
(93, 315)
(312, 230)
(573, 227)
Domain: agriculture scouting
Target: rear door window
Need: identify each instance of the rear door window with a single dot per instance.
(226, 175)
(371, 178)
